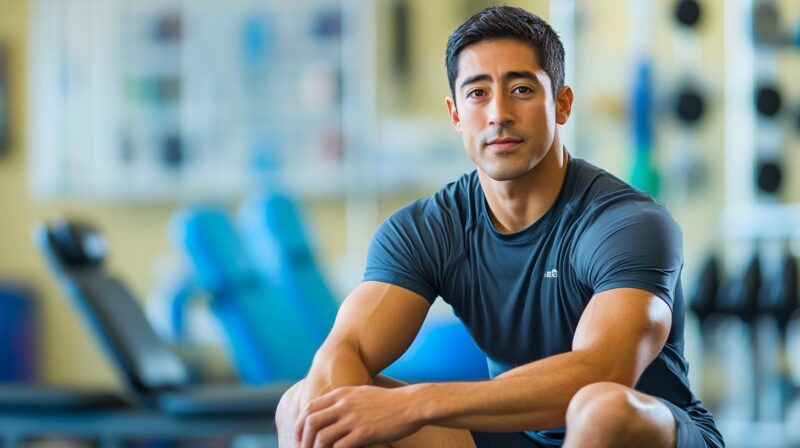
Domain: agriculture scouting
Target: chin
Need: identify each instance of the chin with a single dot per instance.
(501, 174)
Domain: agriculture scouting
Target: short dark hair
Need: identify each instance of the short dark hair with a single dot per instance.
(508, 22)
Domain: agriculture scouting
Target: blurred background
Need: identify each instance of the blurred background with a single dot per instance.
(140, 116)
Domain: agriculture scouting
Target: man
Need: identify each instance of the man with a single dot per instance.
(567, 278)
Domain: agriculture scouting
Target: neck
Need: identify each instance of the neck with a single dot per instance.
(516, 204)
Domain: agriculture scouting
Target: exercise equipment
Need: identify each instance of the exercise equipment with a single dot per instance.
(768, 100)
(156, 378)
(29, 409)
(18, 392)
(21, 397)
(769, 176)
(763, 297)
(279, 245)
(688, 13)
(442, 351)
(267, 273)
(736, 336)
(703, 302)
(268, 335)
(778, 303)
(689, 105)
(739, 296)
(779, 298)
(685, 164)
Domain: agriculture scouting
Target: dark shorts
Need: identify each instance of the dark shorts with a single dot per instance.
(689, 434)
(694, 433)
(502, 440)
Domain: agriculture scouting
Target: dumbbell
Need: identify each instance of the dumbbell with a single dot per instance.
(768, 100)
(703, 302)
(689, 105)
(739, 296)
(769, 175)
(779, 298)
(688, 13)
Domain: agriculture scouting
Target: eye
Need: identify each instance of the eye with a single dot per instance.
(525, 90)
(476, 93)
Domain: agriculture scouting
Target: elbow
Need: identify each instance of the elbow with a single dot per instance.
(614, 370)
(623, 377)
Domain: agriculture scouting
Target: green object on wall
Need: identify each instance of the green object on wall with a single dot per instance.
(644, 174)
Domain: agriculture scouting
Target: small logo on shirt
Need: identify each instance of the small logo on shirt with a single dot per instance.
(553, 273)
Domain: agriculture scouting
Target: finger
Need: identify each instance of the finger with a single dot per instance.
(313, 406)
(299, 425)
(327, 436)
(353, 439)
(316, 422)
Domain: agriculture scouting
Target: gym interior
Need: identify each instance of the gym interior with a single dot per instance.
(189, 188)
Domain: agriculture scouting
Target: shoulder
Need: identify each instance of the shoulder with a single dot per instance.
(606, 203)
(415, 245)
(452, 207)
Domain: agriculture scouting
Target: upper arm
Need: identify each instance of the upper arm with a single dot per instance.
(631, 245)
(631, 257)
(379, 321)
(623, 329)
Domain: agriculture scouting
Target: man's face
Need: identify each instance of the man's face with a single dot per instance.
(504, 108)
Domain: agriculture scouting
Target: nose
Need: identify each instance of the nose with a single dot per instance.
(500, 111)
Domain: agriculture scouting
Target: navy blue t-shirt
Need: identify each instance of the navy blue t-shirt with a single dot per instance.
(521, 295)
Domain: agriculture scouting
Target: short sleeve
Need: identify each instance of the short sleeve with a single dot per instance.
(635, 244)
(408, 250)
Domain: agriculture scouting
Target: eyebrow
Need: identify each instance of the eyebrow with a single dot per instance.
(507, 76)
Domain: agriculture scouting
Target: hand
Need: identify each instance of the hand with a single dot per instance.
(354, 417)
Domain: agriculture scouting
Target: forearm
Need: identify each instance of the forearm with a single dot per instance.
(336, 364)
(533, 396)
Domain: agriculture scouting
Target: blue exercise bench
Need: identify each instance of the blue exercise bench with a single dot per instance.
(270, 297)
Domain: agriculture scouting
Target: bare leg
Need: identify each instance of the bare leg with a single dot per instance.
(612, 415)
(428, 436)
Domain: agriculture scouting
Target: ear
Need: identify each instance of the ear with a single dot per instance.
(564, 104)
(452, 110)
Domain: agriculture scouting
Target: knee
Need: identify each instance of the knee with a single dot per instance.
(287, 406)
(602, 408)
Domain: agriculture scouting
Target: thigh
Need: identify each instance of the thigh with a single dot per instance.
(436, 436)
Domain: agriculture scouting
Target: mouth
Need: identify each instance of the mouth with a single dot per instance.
(502, 144)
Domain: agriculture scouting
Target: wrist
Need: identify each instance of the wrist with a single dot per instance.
(421, 403)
